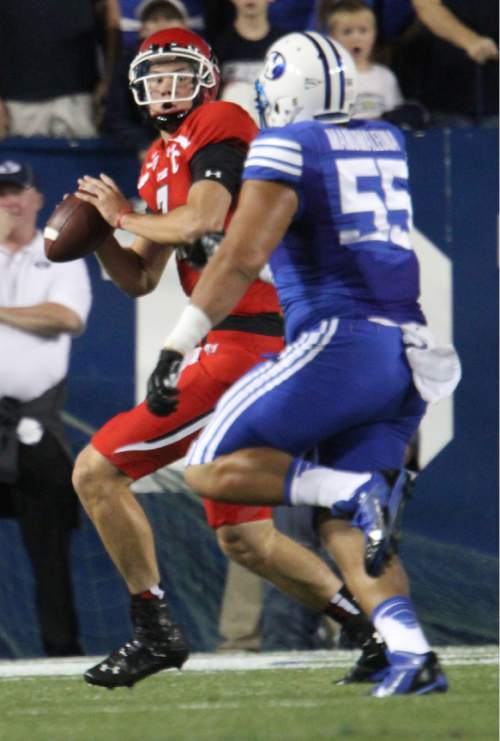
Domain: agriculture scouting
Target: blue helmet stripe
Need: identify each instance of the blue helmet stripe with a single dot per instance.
(326, 67)
(341, 72)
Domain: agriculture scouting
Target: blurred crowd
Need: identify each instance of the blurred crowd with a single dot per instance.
(420, 62)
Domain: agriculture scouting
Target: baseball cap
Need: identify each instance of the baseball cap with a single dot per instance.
(145, 4)
(17, 173)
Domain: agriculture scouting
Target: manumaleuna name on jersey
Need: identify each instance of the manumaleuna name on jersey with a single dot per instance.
(363, 141)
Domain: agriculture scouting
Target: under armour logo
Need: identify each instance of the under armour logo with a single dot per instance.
(213, 174)
(108, 668)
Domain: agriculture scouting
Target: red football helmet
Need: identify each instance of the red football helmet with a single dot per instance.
(198, 79)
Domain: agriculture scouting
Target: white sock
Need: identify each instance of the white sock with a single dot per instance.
(157, 591)
(396, 621)
(320, 486)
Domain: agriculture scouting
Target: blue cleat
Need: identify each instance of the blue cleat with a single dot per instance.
(378, 514)
(412, 674)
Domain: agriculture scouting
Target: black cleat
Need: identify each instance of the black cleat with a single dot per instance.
(157, 644)
(372, 665)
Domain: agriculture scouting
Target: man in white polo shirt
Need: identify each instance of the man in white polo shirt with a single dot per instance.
(42, 305)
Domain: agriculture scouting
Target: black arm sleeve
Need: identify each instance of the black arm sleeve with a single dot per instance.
(221, 162)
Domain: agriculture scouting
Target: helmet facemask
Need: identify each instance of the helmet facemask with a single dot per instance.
(189, 76)
(284, 110)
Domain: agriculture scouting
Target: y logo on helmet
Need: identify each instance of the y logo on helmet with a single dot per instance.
(275, 66)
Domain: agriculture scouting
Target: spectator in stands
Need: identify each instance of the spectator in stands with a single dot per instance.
(154, 15)
(218, 16)
(123, 121)
(452, 66)
(287, 15)
(130, 24)
(393, 19)
(50, 66)
(353, 24)
(241, 49)
(41, 306)
(109, 46)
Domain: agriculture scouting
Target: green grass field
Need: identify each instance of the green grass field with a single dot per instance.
(282, 704)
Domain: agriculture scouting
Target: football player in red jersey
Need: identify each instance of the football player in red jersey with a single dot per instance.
(190, 180)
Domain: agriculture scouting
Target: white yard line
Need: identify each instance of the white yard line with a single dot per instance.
(450, 656)
(166, 707)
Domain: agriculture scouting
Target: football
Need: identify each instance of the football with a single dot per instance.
(74, 229)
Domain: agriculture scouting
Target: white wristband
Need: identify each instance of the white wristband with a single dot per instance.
(192, 325)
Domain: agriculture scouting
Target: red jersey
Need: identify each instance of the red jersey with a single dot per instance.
(165, 181)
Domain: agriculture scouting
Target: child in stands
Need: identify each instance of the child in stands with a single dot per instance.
(353, 24)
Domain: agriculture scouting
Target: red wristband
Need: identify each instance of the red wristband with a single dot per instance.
(121, 213)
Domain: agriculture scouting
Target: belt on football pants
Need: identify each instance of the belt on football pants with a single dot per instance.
(270, 324)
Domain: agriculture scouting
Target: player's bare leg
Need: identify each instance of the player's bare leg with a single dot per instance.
(262, 476)
(257, 476)
(119, 519)
(414, 667)
(299, 573)
(346, 545)
(157, 642)
(252, 476)
(259, 547)
(373, 501)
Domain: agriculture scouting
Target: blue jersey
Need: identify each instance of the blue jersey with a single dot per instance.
(347, 253)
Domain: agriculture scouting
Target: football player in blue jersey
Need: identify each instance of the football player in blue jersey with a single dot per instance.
(325, 200)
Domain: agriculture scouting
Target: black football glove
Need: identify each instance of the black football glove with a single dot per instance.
(162, 396)
(204, 248)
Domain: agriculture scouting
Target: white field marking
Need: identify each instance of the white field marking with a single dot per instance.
(241, 661)
(166, 707)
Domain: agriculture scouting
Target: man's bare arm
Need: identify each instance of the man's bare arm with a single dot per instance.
(264, 213)
(442, 22)
(205, 210)
(136, 269)
(47, 320)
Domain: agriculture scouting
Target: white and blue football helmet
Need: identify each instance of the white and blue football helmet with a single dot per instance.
(306, 76)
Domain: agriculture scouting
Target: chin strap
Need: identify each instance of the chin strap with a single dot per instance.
(171, 122)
